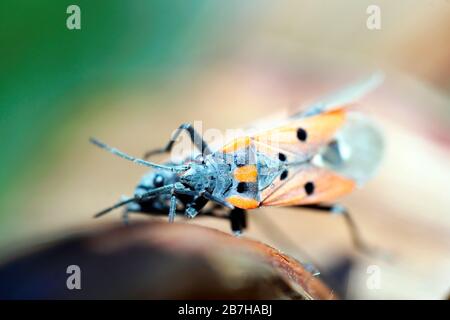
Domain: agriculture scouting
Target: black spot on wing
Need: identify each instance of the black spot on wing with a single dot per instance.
(309, 188)
(301, 134)
(284, 175)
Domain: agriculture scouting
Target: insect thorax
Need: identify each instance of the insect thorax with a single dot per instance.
(200, 177)
(243, 173)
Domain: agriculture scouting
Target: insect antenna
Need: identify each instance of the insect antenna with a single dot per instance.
(137, 198)
(123, 155)
(117, 205)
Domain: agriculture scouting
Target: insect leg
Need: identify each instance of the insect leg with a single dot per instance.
(161, 190)
(196, 139)
(126, 217)
(173, 208)
(236, 216)
(338, 209)
(126, 213)
(238, 220)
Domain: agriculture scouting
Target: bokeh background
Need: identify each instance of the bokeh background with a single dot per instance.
(137, 69)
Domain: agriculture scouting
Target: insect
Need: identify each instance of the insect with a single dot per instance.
(308, 161)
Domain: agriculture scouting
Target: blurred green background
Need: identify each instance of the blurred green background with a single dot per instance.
(48, 72)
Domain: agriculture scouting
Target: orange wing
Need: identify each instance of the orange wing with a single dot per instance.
(304, 136)
(306, 184)
(298, 140)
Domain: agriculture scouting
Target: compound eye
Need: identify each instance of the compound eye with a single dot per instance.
(158, 181)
